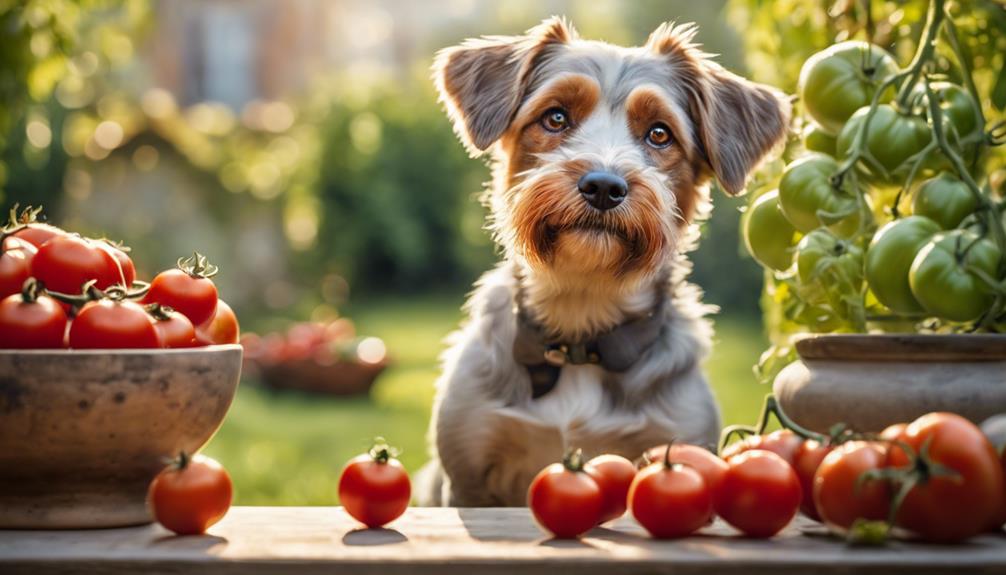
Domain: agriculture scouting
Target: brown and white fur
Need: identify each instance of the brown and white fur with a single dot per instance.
(584, 271)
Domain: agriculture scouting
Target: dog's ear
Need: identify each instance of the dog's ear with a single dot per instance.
(737, 122)
(481, 82)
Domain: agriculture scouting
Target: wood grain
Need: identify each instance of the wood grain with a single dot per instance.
(281, 540)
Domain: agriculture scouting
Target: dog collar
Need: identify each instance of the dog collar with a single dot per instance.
(615, 350)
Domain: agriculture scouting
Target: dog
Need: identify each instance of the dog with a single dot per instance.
(587, 334)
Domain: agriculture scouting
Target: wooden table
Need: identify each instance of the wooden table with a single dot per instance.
(290, 540)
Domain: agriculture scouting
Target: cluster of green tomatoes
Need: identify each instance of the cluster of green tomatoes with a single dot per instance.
(874, 217)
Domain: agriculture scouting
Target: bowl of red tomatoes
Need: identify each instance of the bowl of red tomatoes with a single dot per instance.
(102, 377)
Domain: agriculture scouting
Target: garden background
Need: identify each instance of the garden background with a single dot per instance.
(298, 144)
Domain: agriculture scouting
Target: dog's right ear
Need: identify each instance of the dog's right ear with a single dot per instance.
(482, 81)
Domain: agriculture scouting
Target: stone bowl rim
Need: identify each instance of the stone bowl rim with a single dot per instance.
(903, 347)
(204, 350)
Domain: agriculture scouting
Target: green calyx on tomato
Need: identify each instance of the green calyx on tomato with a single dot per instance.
(889, 259)
(815, 139)
(946, 276)
(823, 258)
(893, 137)
(809, 199)
(768, 235)
(839, 80)
(944, 199)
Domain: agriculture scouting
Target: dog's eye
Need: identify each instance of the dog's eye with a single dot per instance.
(555, 120)
(659, 136)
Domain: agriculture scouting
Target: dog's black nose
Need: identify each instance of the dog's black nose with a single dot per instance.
(603, 190)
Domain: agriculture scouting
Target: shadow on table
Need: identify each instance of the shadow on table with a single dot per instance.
(372, 537)
(209, 544)
(513, 526)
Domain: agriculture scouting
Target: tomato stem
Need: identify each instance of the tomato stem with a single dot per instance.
(573, 460)
(381, 452)
(197, 266)
(183, 460)
(31, 290)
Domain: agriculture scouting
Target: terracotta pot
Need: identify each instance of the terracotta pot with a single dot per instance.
(82, 433)
(872, 381)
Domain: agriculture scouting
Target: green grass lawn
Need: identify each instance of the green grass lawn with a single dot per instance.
(288, 448)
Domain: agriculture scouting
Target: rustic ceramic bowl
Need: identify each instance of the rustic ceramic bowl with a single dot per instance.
(871, 381)
(82, 433)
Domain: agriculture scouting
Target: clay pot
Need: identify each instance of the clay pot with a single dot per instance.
(872, 381)
(82, 433)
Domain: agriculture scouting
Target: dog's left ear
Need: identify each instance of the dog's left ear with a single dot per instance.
(737, 122)
(481, 82)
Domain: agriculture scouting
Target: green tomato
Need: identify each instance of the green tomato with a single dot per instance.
(836, 82)
(942, 281)
(893, 137)
(824, 258)
(957, 104)
(889, 259)
(815, 139)
(944, 199)
(807, 196)
(768, 235)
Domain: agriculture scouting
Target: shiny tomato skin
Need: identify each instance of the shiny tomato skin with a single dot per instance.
(945, 283)
(107, 324)
(40, 324)
(195, 297)
(565, 503)
(889, 260)
(950, 509)
(670, 501)
(768, 235)
(65, 263)
(711, 467)
(760, 494)
(176, 331)
(222, 328)
(372, 492)
(124, 269)
(188, 501)
(893, 138)
(806, 462)
(838, 500)
(15, 265)
(613, 474)
(38, 234)
(782, 442)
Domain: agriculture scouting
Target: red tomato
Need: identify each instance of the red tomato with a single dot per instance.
(15, 265)
(65, 263)
(760, 493)
(710, 467)
(839, 499)
(893, 432)
(806, 461)
(124, 269)
(220, 329)
(194, 296)
(38, 234)
(950, 508)
(191, 495)
(613, 474)
(374, 487)
(174, 330)
(783, 443)
(109, 324)
(670, 500)
(38, 323)
(565, 500)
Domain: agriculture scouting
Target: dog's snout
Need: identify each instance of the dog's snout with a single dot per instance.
(603, 190)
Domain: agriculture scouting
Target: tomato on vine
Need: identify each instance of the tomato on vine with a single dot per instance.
(889, 259)
(174, 330)
(825, 259)
(222, 328)
(950, 275)
(108, 324)
(374, 488)
(191, 495)
(31, 320)
(187, 289)
(670, 499)
(806, 462)
(891, 140)
(614, 475)
(810, 199)
(760, 493)
(843, 493)
(945, 199)
(769, 236)
(65, 263)
(815, 139)
(564, 499)
(15, 265)
(782, 442)
(711, 467)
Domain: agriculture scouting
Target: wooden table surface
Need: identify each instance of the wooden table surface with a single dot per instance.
(282, 540)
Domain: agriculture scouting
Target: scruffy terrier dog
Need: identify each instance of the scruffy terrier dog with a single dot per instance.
(587, 334)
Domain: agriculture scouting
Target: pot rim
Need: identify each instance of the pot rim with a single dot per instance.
(913, 347)
(205, 350)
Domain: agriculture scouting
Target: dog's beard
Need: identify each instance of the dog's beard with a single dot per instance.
(549, 224)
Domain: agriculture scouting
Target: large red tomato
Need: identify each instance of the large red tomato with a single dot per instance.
(124, 267)
(374, 487)
(15, 265)
(760, 493)
(220, 329)
(840, 496)
(670, 500)
(191, 495)
(65, 263)
(174, 330)
(110, 324)
(565, 500)
(193, 295)
(710, 467)
(35, 322)
(37, 234)
(613, 474)
(806, 462)
(960, 488)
